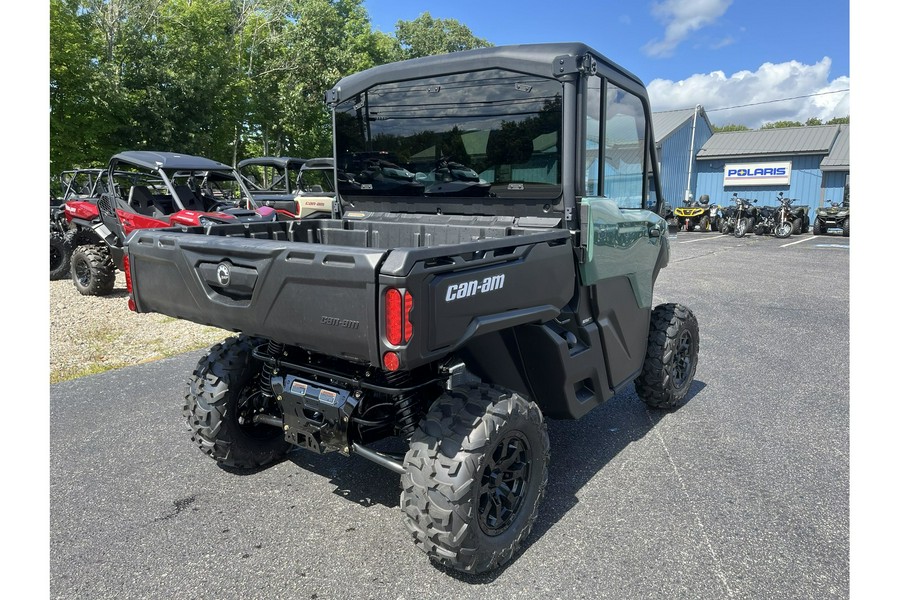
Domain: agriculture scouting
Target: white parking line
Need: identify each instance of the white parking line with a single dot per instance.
(704, 239)
(806, 239)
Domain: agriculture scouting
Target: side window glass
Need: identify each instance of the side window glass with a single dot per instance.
(594, 114)
(624, 149)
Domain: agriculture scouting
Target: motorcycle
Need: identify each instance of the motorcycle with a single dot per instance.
(739, 218)
(788, 220)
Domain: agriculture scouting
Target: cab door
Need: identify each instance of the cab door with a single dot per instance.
(624, 244)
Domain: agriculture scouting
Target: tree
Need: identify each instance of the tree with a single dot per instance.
(218, 78)
(813, 121)
(427, 36)
(77, 111)
(781, 124)
(730, 127)
(839, 121)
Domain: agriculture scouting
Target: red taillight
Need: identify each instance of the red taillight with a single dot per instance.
(393, 316)
(391, 361)
(407, 324)
(397, 325)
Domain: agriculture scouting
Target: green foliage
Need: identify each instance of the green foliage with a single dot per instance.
(839, 121)
(225, 79)
(730, 127)
(427, 36)
(781, 124)
(78, 110)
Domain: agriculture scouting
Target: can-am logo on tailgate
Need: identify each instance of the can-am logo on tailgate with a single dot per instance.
(458, 291)
(223, 274)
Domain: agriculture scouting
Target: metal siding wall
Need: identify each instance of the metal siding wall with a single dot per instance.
(704, 132)
(834, 185)
(675, 153)
(675, 156)
(806, 182)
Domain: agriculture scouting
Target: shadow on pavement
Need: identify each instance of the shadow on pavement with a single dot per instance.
(588, 444)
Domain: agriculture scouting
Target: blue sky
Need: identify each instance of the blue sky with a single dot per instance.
(717, 53)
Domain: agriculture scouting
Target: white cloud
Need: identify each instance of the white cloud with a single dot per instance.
(791, 83)
(682, 18)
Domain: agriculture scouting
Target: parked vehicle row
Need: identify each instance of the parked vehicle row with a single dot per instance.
(140, 190)
(744, 216)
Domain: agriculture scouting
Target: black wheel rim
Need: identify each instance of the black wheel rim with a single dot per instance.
(82, 272)
(504, 481)
(683, 359)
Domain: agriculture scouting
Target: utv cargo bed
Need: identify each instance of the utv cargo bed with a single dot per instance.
(316, 284)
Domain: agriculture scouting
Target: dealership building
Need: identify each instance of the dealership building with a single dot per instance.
(810, 164)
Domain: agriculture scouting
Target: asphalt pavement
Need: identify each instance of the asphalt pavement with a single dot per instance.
(742, 492)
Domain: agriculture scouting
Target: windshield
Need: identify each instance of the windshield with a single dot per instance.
(485, 134)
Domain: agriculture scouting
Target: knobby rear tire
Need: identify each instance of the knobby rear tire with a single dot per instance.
(219, 392)
(476, 472)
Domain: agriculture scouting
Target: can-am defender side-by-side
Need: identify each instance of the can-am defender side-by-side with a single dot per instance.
(145, 189)
(491, 263)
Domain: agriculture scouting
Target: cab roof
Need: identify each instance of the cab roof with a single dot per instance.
(533, 59)
(168, 161)
(276, 161)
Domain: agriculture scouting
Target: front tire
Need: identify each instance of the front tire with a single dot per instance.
(476, 472)
(222, 396)
(819, 227)
(741, 227)
(93, 271)
(704, 223)
(846, 227)
(671, 361)
(784, 229)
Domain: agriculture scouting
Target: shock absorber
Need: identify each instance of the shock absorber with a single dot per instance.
(407, 415)
(273, 350)
(406, 406)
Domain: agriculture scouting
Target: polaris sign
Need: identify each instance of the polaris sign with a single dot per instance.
(768, 173)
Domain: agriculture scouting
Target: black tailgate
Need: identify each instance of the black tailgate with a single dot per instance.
(320, 297)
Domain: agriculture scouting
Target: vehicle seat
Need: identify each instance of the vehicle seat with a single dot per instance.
(141, 200)
(189, 199)
(144, 203)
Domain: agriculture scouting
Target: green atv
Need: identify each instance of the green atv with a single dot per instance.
(831, 217)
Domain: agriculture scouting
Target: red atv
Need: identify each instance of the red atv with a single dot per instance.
(150, 190)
